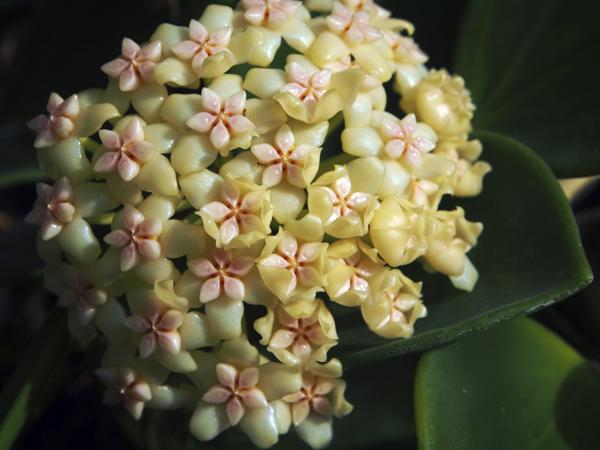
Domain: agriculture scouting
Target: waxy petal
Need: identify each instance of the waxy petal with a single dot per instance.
(216, 394)
(210, 290)
(234, 288)
(227, 375)
(254, 398)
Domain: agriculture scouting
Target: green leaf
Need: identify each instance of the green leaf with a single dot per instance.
(39, 375)
(532, 69)
(516, 386)
(528, 257)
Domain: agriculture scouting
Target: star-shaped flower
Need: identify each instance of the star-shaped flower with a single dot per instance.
(302, 261)
(300, 336)
(355, 27)
(127, 151)
(223, 273)
(222, 118)
(202, 44)
(238, 389)
(402, 140)
(59, 124)
(236, 214)
(344, 201)
(138, 239)
(402, 307)
(309, 88)
(127, 387)
(135, 65)
(406, 51)
(313, 395)
(271, 13)
(363, 269)
(283, 159)
(158, 325)
(53, 209)
(81, 295)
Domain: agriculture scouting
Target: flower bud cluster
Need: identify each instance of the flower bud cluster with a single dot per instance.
(191, 192)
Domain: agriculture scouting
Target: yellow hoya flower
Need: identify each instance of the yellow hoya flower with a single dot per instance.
(353, 264)
(314, 405)
(305, 92)
(449, 237)
(442, 102)
(137, 384)
(398, 232)
(344, 212)
(238, 388)
(285, 161)
(467, 180)
(240, 216)
(394, 305)
(292, 263)
(298, 336)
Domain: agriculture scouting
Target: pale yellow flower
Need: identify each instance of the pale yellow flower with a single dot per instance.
(240, 217)
(298, 336)
(344, 212)
(292, 265)
(395, 305)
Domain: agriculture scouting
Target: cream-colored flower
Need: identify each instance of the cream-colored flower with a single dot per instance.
(292, 266)
(406, 51)
(317, 402)
(304, 91)
(354, 27)
(126, 386)
(221, 118)
(158, 327)
(222, 275)
(298, 165)
(300, 335)
(201, 45)
(395, 305)
(126, 152)
(402, 141)
(449, 237)
(137, 239)
(135, 65)
(81, 295)
(59, 124)
(442, 102)
(77, 115)
(398, 232)
(53, 209)
(344, 213)
(238, 390)
(271, 13)
(240, 217)
(354, 264)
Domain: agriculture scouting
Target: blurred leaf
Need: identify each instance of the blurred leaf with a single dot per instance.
(39, 375)
(528, 257)
(516, 386)
(532, 69)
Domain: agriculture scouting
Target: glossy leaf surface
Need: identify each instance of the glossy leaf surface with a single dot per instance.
(532, 69)
(514, 386)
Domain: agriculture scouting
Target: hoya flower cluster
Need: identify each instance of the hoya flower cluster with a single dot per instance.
(194, 186)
